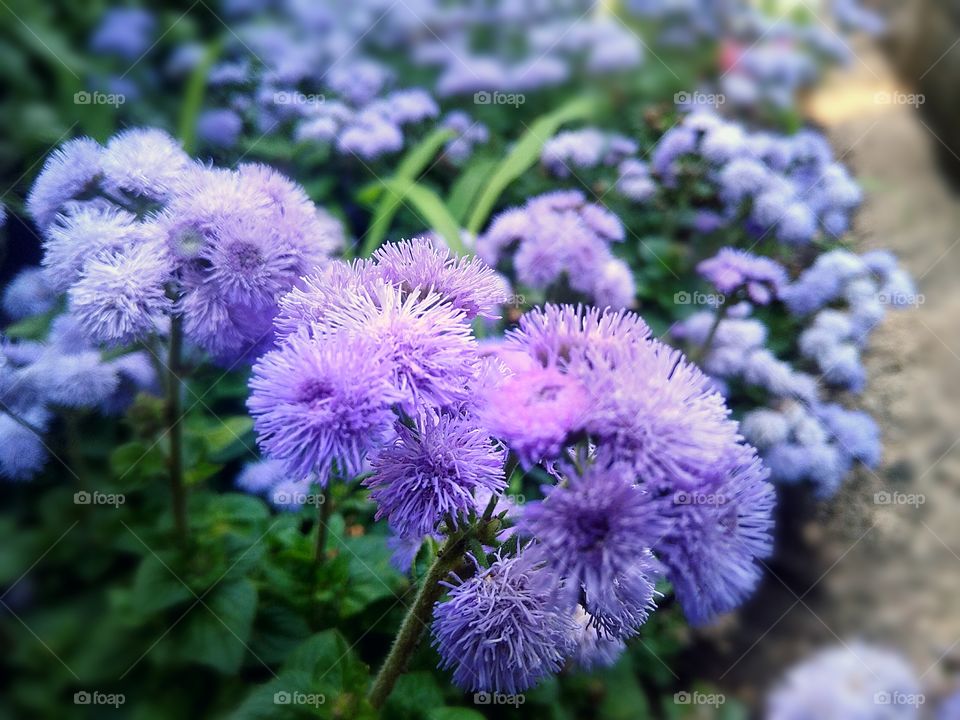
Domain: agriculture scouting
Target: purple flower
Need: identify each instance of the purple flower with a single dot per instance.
(22, 453)
(261, 477)
(145, 162)
(852, 682)
(75, 380)
(320, 404)
(121, 295)
(732, 270)
(369, 136)
(658, 413)
(468, 284)
(430, 472)
(219, 127)
(715, 536)
(593, 531)
(83, 234)
(28, 294)
(536, 412)
(429, 348)
(69, 172)
(503, 629)
(306, 305)
(855, 432)
(124, 32)
(591, 649)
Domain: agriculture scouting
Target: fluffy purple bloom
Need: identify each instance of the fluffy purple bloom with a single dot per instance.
(412, 105)
(536, 411)
(22, 453)
(469, 134)
(69, 172)
(854, 681)
(716, 534)
(856, 433)
(430, 473)
(75, 380)
(83, 234)
(467, 283)
(28, 294)
(584, 149)
(306, 305)
(429, 349)
(220, 127)
(553, 334)
(591, 649)
(658, 413)
(121, 295)
(320, 404)
(635, 182)
(503, 629)
(593, 532)
(261, 477)
(144, 162)
(732, 270)
(369, 136)
(124, 32)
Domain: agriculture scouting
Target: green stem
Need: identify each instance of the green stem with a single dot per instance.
(174, 410)
(324, 511)
(417, 619)
(700, 354)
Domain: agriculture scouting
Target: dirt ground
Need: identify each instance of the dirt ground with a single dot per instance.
(857, 567)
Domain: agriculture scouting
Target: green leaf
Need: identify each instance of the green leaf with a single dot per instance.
(216, 631)
(410, 168)
(136, 462)
(156, 588)
(193, 99)
(524, 155)
(226, 434)
(414, 693)
(466, 187)
(453, 713)
(432, 211)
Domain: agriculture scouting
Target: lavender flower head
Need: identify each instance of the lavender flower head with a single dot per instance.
(468, 284)
(430, 472)
(854, 681)
(503, 629)
(732, 270)
(69, 172)
(317, 405)
(28, 294)
(144, 162)
(592, 531)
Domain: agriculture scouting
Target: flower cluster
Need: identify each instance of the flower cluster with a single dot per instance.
(651, 478)
(64, 373)
(560, 241)
(573, 150)
(855, 680)
(787, 187)
(135, 233)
